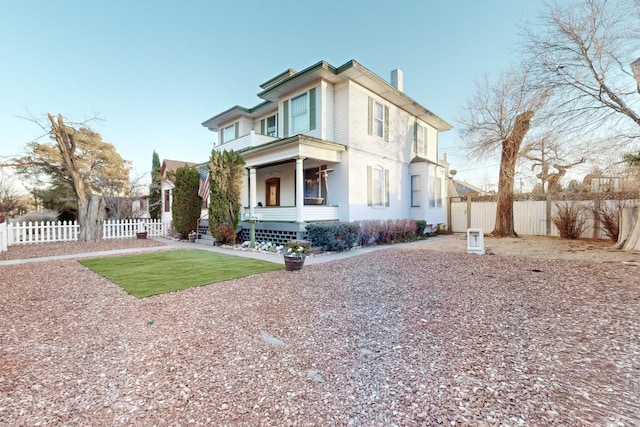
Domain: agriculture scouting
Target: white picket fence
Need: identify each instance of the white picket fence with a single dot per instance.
(66, 231)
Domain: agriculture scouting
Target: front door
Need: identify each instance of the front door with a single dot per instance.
(273, 192)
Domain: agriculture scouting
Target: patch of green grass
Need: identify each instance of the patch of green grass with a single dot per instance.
(160, 272)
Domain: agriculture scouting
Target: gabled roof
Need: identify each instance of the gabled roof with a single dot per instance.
(290, 80)
(173, 165)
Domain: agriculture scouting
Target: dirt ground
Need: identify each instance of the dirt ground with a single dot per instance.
(589, 250)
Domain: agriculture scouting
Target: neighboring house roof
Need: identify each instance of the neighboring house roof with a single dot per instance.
(462, 188)
(290, 80)
(173, 165)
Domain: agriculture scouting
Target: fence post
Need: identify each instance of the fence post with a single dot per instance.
(547, 215)
(449, 226)
(468, 212)
(596, 217)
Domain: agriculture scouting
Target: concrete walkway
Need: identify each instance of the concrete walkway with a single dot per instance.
(206, 245)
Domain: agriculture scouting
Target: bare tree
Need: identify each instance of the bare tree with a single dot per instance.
(498, 117)
(584, 51)
(11, 202)
(545, 153)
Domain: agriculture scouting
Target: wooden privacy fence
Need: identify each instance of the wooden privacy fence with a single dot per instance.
(19, 233)
(530, 217)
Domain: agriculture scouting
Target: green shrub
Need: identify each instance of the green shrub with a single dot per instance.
(421, 225)
(186, 206)
(334, 236)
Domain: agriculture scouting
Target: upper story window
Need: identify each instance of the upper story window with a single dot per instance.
(269, 126)
(230, 133)
(272, 126)
(419, 139)
(378, 119)
(300, 113)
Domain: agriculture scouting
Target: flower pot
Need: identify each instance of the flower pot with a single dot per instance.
(141, 235)
(192, 239)
(293, 263)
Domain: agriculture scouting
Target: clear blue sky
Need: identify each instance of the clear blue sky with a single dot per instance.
(153, 71)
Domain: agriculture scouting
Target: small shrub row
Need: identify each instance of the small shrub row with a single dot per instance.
(334, 236)
(340, 236)
(380, 232)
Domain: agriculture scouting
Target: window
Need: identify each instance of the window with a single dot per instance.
(419, 139)
(299, 114)
(377, 186)
(435, 192)
(378, 119)
(415, 190)
(230, 133)
(167, 200)
(272, 126)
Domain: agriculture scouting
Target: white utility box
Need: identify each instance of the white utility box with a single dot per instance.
(475, 241)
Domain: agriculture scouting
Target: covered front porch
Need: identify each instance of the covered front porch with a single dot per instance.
(290, 180)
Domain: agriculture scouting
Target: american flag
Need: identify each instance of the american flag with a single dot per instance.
(203, 188)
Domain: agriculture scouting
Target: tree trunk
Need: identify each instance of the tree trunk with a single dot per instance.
(90, 208)
(629, 234)
(510, 149)
(91, 218)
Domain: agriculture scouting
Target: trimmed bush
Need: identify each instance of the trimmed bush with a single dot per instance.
(334, 236)
(186, 204)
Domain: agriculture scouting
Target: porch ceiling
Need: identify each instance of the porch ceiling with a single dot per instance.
(298, 146)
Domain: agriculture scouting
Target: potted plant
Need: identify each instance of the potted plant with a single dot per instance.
(193, 236)
(296, 252)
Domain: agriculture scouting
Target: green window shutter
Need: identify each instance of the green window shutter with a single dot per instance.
(369, 187)
(312, 109)
(285, 119)
(415, 137)
(386, 123)
(263, 126)
(237, 129)
(386, 187)
(370, 117)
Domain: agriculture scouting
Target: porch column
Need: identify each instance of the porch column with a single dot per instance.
(252, 190)
(299, 188)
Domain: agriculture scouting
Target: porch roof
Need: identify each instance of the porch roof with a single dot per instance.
(298, 146)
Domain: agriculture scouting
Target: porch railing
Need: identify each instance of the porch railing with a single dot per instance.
(288, 213)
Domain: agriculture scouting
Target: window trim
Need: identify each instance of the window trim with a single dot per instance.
(371, 129)
(384, 187)
(236, 129)
(435, 192)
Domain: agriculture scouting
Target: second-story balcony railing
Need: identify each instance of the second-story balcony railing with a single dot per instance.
(252, 139)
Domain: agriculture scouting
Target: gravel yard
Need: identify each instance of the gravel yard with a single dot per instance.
(401, 336)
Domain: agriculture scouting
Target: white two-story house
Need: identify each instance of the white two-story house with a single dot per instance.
(335, 143)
